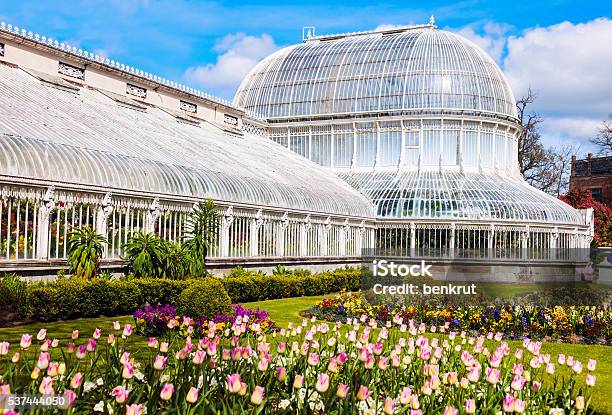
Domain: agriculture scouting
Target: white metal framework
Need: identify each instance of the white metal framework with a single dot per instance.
(424, 124)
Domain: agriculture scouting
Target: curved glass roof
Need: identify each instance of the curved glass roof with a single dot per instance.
(420, 68)
(88, 138)
(461, 196)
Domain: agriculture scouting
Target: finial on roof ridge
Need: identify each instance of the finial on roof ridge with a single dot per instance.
(432, 21)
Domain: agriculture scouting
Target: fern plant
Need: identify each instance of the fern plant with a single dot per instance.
(85, 248)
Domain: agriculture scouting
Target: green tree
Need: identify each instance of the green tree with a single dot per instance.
(200, 234)
(85, 247)
(144, 253)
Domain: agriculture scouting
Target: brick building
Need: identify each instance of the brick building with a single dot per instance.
(594, 174)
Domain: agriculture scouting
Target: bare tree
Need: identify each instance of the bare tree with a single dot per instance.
(603, 139)
(547, 169)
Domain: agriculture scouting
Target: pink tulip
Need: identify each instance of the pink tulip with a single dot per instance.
(76, 381)
(75, 334)
(281, 374)
(518, 383)
(163, 347)
(4, 348)
(43, 360)
(125, 357)
(474, 374)
(97, 333)
(470, 406)
(116, 325)
(405, 395)
(322, 384)
(579, 403)
(167, 391)
(449, 410)
(192, 395)
(198, 357)
(508, 403)
(91, 345)
(233, 383)
(46, 386)
(160, 362)
(363, 393)
(127, 330)
(257, 395)
(4, 390)
(26, 341)
(536, 386)
(53, 369)
(16, 357)
(42, 333)
(577, 367)
(561, 359)
(133, 409)
(492, 375)
(262, 365)
(313, 359)
(120, 393)
(590, 380)
(389, 406)
(153, 343)
(128, 371)
(591, 365)
(81, 352)
(342, 391)
(519, 406)
(69, 399)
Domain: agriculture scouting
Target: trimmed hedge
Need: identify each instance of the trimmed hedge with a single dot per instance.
(204, 298)
(257, 288)
(78, 298)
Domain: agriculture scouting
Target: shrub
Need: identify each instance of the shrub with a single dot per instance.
(144, 252)
(68, 298)
(12, 291)
(204, 298)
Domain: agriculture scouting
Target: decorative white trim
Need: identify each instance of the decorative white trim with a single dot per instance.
(136, 91)
(71, 71)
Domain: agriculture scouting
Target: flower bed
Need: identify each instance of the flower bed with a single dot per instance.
(570, 323)
(315, 368)
(164, 321)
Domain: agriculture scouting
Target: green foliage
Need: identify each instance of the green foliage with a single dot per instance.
(144, 253)
(200, 234)
(174, 262)
(245, 286)
(280, 270)
(79, 298)
(204, 298)
(85, 248)
(12, 290)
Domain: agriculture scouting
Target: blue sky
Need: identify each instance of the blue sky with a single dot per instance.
(554, 47)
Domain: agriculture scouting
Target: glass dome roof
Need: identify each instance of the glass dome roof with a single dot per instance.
(415, 69)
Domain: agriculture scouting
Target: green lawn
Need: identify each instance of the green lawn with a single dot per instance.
(287, 310)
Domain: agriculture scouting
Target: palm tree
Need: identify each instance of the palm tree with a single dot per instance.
(85, 247)
(200, 234)
(144, 252)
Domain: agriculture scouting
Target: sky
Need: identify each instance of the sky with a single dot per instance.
(560, 49)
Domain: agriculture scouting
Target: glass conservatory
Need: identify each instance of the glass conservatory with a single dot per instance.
(423, 123)
(86, 141)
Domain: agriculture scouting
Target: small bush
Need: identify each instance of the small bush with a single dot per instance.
(204, 298)
(11, 291)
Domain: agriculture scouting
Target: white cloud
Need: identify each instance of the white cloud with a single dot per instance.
(574, 130)
(238, 53)
(491, 37)
(568, 65)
